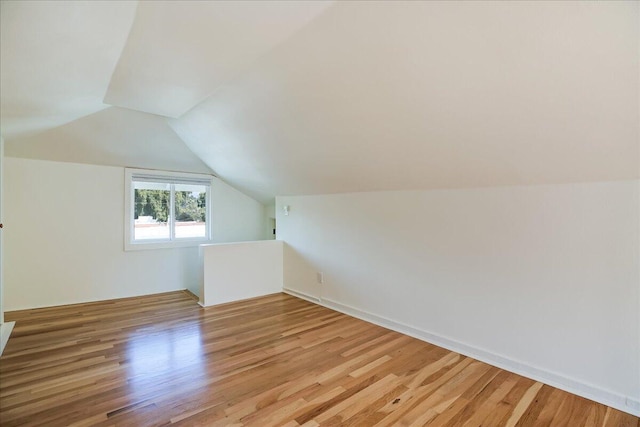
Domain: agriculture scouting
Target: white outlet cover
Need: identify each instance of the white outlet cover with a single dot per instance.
(632, 403)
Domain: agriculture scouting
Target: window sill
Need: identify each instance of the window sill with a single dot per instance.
(166, 244)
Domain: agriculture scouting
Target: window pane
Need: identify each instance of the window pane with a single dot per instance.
(191, 211)
(151, 211)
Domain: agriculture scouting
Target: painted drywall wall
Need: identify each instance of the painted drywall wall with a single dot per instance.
(542, 280)
(236, 216)
(270, 220)
(5, 327)
(65, 243)
(236, 271)
(1, 219)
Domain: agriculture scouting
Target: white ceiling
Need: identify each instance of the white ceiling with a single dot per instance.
(305, 98)
(114, 137)
(56, 60)
(391, 96)
(178, 53)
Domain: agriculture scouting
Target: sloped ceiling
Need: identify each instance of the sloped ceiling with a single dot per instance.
(419, 95)
(56, 59)
(283, 98)
(67, 67)
(178, 53)
(113, 137)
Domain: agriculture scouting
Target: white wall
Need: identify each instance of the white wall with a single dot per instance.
(65, 243)
(542, 280)
(269, 220)
(1, 219)
(236, 216)
(5, 327)
(236, 271)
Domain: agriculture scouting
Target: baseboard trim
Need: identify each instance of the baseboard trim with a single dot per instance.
(623, 403)
(303, 295)
(5, 332)
(191, 294)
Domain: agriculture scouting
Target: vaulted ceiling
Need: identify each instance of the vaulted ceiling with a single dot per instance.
(283, 98)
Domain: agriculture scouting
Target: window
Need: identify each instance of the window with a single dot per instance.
(166, 209)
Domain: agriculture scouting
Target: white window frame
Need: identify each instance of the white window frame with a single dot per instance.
(130, 176)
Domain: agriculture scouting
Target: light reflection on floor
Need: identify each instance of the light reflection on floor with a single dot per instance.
(171, 352)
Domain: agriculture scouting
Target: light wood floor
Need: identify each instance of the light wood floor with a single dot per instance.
(276, 360)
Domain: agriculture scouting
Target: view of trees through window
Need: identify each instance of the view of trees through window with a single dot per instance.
(152, 210)
(155, 203)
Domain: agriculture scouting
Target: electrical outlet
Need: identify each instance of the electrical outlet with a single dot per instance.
(320, 277)
(632, 403)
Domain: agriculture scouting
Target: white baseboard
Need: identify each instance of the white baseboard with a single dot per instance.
(588, 391)
(303, 295)
(5, 331)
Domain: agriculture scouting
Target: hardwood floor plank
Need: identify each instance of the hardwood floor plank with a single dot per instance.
(277, 360)
(413, 402)
(523, 404)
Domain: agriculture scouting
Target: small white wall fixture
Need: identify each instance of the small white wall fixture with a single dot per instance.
(236, 271)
